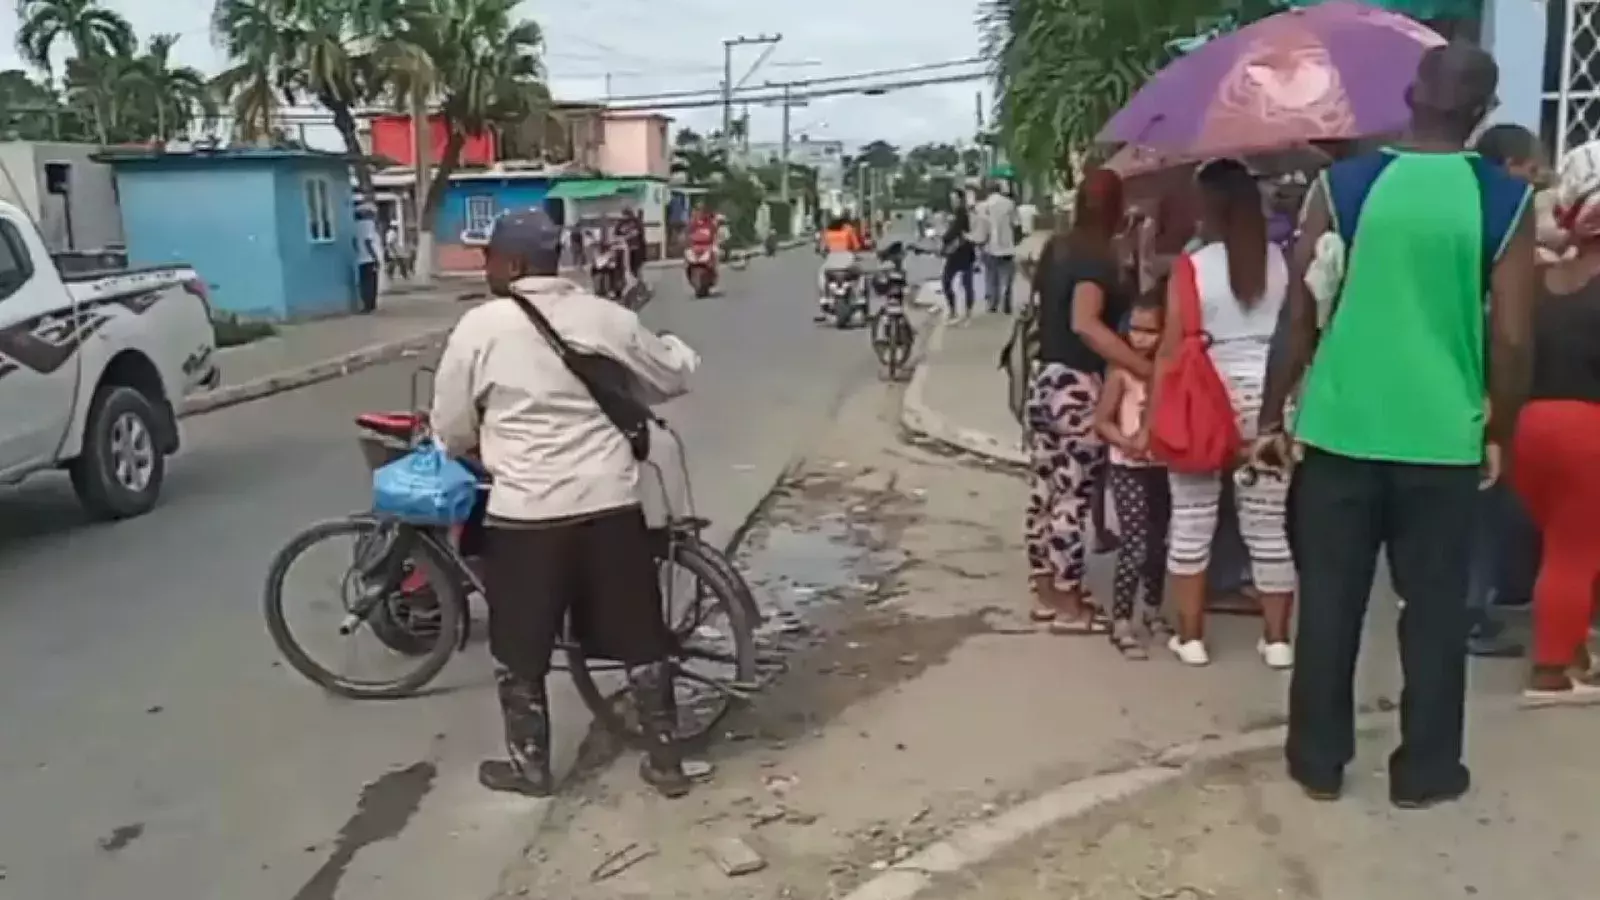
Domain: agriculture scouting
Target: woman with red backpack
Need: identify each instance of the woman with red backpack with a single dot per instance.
(1222, 308)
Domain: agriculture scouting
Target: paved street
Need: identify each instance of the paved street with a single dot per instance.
(156, 749)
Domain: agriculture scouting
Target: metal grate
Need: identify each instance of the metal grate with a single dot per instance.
(1576, 98)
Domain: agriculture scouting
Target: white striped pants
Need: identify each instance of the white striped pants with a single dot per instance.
(1196, 503)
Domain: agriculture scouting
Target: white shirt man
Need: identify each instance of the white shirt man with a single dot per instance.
(996, 222)
(566, 533)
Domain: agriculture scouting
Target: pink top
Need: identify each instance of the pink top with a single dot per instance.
(1130, 413)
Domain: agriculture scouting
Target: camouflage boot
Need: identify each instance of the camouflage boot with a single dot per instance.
(662, 765)
(526, 770)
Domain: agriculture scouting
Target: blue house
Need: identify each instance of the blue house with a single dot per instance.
(271, 231)
(471, 203)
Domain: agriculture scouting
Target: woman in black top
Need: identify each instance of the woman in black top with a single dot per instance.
(1081, 301)
(959, 255)
(1557, 447)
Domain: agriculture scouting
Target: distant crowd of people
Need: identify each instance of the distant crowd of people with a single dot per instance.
(1427, 325)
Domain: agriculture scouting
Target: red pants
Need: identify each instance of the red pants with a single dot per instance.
(1556, 469)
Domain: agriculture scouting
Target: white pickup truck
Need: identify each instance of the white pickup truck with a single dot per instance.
(93, 369)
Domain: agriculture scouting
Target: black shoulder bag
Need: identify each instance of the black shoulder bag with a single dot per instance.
(607, 380)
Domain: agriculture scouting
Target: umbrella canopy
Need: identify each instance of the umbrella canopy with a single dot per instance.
(1335, 71)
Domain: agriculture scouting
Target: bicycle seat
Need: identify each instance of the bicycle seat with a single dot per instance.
(396, 425)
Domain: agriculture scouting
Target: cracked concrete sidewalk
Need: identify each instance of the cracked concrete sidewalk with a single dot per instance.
(922, 700)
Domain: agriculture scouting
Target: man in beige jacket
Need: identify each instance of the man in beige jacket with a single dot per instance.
(566, 532)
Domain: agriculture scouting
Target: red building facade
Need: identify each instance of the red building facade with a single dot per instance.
(392, 138)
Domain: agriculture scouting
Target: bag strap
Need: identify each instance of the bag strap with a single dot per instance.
(1187, 280)
(556, 341)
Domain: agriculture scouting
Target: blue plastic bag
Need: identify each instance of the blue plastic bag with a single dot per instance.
(425, 487)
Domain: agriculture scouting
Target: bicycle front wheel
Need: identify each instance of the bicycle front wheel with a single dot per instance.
(714, 666)
(392, 590)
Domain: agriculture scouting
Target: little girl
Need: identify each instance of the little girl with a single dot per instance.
(1138, 487)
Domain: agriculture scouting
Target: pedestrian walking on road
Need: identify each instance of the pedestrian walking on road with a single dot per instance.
(1397, 436)
(1557, 449)
(1081, 302)
(566, 530)
(1138, 488)
(959, 258)
(1241, 279)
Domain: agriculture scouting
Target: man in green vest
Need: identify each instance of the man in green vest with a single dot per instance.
(1398, 437)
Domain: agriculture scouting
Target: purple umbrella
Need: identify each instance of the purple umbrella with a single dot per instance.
(1331, 72)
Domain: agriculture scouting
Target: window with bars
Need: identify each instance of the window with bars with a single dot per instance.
(1571, 113)
(480, 213)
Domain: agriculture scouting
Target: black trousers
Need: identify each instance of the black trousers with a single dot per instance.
(1342, 512)
(368, 282)
(600, 569)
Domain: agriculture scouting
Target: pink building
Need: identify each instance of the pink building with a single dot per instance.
(636, 145)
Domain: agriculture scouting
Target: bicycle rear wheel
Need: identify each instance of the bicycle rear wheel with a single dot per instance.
(371, 597)
(714, 666)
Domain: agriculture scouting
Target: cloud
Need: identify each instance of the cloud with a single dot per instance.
(648, 46)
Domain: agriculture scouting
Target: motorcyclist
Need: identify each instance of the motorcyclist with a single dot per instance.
(842, 243)
(630, 238)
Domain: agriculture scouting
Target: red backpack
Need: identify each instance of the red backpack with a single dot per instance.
(1194, 428)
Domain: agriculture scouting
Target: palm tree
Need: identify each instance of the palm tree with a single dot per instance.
(251, 33)
(485, 71)
(295, 50)
(173, 94)
(90, 28)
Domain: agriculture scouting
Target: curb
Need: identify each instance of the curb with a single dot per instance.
(327, 370)
(977, 843)
(923, 421)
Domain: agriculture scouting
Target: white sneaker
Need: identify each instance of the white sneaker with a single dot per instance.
(1277, 654)
(1190, 653)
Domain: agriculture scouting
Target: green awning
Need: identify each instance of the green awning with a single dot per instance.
(589, 189)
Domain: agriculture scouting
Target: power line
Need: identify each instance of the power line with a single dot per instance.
(771, 97)
(802, 83)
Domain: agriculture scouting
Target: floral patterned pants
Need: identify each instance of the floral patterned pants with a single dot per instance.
(1067, 457)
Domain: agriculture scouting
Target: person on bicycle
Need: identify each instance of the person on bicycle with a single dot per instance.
(567, 536)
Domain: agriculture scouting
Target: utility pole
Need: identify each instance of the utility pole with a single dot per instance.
(727, 76)
(783, 151)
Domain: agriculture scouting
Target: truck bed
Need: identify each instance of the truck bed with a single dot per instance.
(91, 287)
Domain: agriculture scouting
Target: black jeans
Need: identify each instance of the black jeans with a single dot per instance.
(954, 270)
(368, 281)
(1343, 511)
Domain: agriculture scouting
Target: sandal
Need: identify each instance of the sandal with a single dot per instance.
(1582, 693)
(1082, 625)
(1127, 642)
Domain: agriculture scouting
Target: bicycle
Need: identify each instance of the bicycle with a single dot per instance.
(411, 586)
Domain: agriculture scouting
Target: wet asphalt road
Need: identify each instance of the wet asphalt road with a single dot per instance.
(154, 749)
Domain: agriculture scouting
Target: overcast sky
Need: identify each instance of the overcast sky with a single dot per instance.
(661, 45)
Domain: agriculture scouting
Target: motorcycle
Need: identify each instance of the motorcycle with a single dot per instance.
(607, 275)
(842, 289)
(700, 267)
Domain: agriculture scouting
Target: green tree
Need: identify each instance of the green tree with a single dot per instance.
(90, 29)
(173, 95)
(1064, 67)
(33, 111)
(485, 67)
(298, 50)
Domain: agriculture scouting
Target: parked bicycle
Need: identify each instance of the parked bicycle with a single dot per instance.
(410, 586)
(892, 335)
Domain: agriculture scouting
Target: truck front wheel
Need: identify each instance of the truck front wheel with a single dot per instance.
(119, 473)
